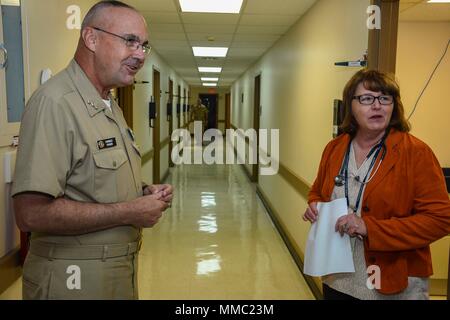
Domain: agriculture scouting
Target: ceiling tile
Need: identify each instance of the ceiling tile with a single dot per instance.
(169, 43)
(212, 29)
(266, 30)
(245, 52)
(167, 36)
(204, 36)
(251, 44)
(265, 19)
(256, 38)
(166, 27)
(161, 17)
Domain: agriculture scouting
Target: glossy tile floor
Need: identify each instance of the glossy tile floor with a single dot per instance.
(216, 242)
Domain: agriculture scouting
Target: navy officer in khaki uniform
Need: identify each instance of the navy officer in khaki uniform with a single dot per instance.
(78, 186)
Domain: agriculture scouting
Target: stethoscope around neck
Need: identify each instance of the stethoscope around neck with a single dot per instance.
(342, 178)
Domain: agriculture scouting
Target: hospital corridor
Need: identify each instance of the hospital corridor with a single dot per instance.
(258, 150)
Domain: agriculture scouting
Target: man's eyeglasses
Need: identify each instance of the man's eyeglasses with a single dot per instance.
(367, 99)
(131, 42)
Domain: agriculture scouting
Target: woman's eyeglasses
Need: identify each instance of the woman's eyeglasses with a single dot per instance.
(367, 99)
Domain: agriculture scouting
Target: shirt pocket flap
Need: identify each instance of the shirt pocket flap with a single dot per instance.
(110, 159)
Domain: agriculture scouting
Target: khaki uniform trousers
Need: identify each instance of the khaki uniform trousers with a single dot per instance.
(56, 272)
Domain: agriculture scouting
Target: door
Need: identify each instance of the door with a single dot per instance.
(125, 101)
(156, 128)
(211, 102)
(227, 111)
(256, 117)
(170, 119)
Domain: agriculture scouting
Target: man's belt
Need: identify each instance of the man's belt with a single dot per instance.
(83, 252)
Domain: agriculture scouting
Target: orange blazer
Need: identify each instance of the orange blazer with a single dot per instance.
(405, 206)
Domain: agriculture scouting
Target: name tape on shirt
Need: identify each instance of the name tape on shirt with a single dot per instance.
(107, 143)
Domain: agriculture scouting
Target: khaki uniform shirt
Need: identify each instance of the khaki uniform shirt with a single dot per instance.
(200, 113)
(73, 146)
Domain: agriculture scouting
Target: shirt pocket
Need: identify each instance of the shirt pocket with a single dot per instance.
(110, 169)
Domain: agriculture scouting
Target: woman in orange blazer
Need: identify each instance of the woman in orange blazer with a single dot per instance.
(395, 191)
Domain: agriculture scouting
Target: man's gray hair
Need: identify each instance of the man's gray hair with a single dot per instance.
(97, 8)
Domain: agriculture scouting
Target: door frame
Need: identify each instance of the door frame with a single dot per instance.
(256, 124)
(227, 111)
(125, 102)
(156, 127)
(382, 46)
(170, 119)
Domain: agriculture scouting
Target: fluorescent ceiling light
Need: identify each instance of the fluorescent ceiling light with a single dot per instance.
(211, 6)
(438, 1)
(210, 79)
(210, 51)
(210, 69)
(210, 84)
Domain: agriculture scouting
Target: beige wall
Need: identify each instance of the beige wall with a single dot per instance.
(420, 46)
(298, 84)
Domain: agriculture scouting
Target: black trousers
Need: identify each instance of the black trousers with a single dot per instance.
(331, 294)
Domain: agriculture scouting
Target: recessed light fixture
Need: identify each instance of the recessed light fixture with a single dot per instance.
(210, 51)
(210, 84)
(210, 69)
(210, 79)
(224, 6)
(438, 1)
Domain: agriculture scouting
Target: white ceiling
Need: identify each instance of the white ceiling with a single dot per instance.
(248, 34)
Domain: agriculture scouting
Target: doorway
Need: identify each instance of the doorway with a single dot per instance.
(256, 117)
(211, 102)
(156, 126)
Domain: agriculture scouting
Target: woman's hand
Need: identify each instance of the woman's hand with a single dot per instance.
(311, 213)
(352, 225)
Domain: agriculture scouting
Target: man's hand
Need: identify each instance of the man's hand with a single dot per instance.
(147, 210)
(165, 191)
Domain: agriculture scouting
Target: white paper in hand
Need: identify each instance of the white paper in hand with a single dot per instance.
(326, 251)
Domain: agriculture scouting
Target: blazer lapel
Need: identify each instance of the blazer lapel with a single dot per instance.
(392, 155)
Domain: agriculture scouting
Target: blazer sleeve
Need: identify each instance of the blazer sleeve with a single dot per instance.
(430, 216)
(315, 194)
